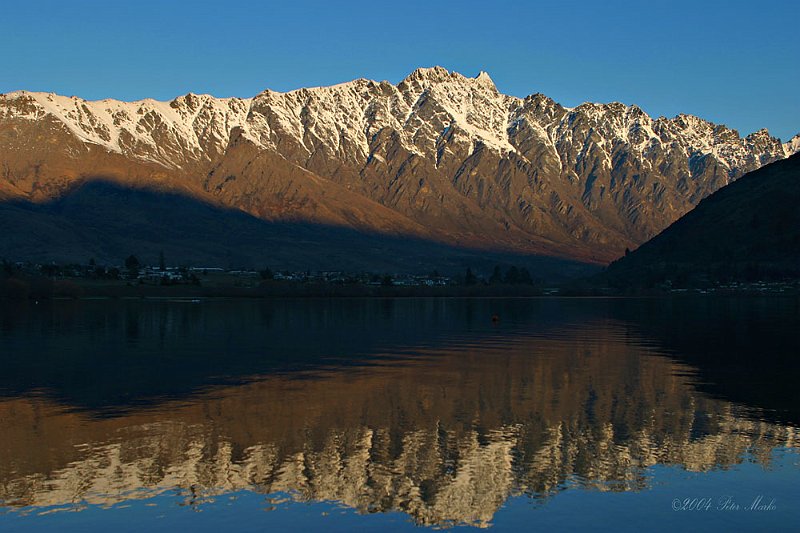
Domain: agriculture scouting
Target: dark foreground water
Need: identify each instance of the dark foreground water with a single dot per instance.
(573, 414)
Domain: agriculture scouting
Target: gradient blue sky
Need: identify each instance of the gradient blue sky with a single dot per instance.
(731, 62)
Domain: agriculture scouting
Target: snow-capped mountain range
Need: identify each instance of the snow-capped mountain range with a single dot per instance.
(439, 156)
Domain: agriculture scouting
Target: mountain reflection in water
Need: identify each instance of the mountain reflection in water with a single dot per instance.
(423, 407)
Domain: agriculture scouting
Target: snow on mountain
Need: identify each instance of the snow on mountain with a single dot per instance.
(792, 146)
(168, 133)
(343, 118)
(347, 116)
(446, 151)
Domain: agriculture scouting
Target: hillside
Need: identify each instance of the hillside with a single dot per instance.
(108, 222)
(748, 231)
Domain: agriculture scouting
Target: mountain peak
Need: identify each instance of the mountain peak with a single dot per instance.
(435, 73)
(439, 74)
(763, 132)
(792, 146)
(484, 78)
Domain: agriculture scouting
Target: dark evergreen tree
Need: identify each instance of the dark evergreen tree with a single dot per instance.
(469, 277)
(497, 275)
(512, 276)
(133, 265)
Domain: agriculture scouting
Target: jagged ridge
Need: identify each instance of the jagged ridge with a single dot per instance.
(452, 157)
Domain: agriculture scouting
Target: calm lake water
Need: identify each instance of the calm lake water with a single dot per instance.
(400, 414)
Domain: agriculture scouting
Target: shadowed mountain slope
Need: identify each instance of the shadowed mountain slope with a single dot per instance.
(748, 230)
(109, 221)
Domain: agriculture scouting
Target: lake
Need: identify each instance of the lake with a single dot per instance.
(400, 414)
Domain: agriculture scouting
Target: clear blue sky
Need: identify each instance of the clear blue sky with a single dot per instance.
(731, 62)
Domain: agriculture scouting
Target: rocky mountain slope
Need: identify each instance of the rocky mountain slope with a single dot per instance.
(749, 230)
(438, 156)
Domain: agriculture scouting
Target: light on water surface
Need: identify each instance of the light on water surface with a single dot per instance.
(400, 414)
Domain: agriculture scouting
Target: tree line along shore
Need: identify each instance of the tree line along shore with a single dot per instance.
(25, 280)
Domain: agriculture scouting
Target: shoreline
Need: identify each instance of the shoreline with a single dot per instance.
(41, 289)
